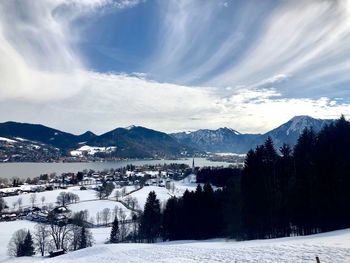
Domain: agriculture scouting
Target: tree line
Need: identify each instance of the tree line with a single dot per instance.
(50, 237)
(290, 191)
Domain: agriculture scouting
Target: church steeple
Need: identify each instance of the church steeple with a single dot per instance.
(193, 165)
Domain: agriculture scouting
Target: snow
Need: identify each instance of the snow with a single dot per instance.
(332, 247)
(142, 194)
(230, 154)
(97, 206)
(35, 146)
(76, 153)
(20, 139)
(6, 231)
(7, 140)
(91, 150)
(162, 193)
(100, 234)
(234, 131)
(50, 196)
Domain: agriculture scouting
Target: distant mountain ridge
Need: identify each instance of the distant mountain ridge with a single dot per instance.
(131, 142)
(140, 142)
(290, 131)
(229, 140)
(220, 140)
(43, 134)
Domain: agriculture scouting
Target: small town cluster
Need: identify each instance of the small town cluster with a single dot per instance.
(122, 181)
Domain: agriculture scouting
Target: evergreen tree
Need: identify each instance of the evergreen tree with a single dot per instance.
(170, 220)
(151, 219)
(83, 239)
(28, 246)
(114, 236)
(305, 187)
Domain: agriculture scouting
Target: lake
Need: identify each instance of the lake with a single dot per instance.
(25, 170)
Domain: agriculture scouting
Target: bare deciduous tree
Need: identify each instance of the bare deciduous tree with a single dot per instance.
(61, 235)
(42, 238)
(117, 195)
(81, 238)
(98, 218)
(128, 200)
(42, 200)
(65, 198)
(16, 242)
(33, 199)
(2, 203)
(172, 187)
(19, 202)
(134, 204)
(106, 215)
(115, 211)
(123, 226)
(123, 193)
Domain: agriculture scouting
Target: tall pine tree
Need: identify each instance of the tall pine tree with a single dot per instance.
(83, 239)
(28, 245)
(114, 236)
(151, 219)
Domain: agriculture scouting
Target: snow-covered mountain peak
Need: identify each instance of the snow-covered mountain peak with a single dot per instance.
(299, 123)
(130, 127)
(229, 130)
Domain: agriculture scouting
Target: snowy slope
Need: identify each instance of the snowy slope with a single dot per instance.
(50, 196)
(332, 247)
(162, 193)
(97, 206)
(141, 195)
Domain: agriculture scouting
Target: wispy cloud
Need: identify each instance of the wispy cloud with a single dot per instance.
(248, 64)
(250, 41)
(38, 60)
(109, 100)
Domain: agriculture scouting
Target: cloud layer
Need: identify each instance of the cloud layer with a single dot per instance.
(250, 65)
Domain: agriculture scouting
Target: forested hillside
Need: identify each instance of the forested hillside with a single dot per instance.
(299, 191)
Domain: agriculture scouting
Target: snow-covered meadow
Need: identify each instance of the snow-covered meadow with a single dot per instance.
(331, 247)
(50, 196)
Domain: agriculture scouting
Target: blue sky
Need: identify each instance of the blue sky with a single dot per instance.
(173, 65)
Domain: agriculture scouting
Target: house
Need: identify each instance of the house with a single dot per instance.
(56, 253)
(8, 217)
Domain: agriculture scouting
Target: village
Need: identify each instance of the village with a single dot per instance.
(58, 197)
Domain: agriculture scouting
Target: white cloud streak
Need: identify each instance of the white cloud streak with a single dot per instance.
(108, 101)
(44, 80)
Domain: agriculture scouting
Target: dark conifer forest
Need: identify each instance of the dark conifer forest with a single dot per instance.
(280, 192)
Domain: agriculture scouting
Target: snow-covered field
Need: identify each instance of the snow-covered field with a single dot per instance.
(162, 193)
(97, 206)
(142, 194)
(88, 199)
(92, 150)
(332, 247)
(51, 196)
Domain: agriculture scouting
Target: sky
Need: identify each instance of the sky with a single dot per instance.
(173, 65)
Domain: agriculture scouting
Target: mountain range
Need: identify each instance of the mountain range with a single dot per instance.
(229, 140)
(140, 142)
